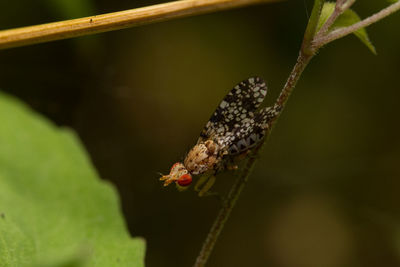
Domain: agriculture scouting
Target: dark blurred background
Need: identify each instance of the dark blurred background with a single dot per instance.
(326, 190)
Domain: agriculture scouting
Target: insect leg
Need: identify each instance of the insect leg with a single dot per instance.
(207, 185)
(203, 179)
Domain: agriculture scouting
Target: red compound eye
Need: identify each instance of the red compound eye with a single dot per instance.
(185, 180)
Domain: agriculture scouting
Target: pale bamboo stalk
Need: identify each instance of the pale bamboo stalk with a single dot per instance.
(114, 21)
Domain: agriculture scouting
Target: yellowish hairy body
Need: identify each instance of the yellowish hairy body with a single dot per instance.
(202, 157)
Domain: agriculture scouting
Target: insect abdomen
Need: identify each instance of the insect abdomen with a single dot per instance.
(245, 144)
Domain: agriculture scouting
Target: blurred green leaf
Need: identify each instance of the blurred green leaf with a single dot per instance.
(87, 47)
(326, 12)
(54, 210)
(68, 9)
(347, 18)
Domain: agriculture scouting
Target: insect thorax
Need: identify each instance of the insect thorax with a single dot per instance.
(204, 156)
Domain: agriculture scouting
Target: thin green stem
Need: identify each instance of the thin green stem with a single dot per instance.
(308, 49)
(240, 182)
(303, 59)
(224, 213)
(348, 4)
(312, 27)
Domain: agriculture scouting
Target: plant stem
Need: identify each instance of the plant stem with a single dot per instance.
(224, 213)
(312, 27)
(114, 21)
(323, 40)
(233, 195)
(240, 182)
(310, 46)
(302, 62)
(305, 55)
(348, 4)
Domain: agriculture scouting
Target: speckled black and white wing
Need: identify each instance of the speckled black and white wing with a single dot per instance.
(250, 131)
(238, 106)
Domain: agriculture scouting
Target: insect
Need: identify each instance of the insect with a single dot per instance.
(236, 127)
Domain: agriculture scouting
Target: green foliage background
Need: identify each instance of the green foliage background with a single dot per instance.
(325, 191)
(53, 209)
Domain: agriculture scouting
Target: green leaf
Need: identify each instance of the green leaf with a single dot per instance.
(347, 18)
(68, 9)
(326, 12)
(313, 23)
(54, 210)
